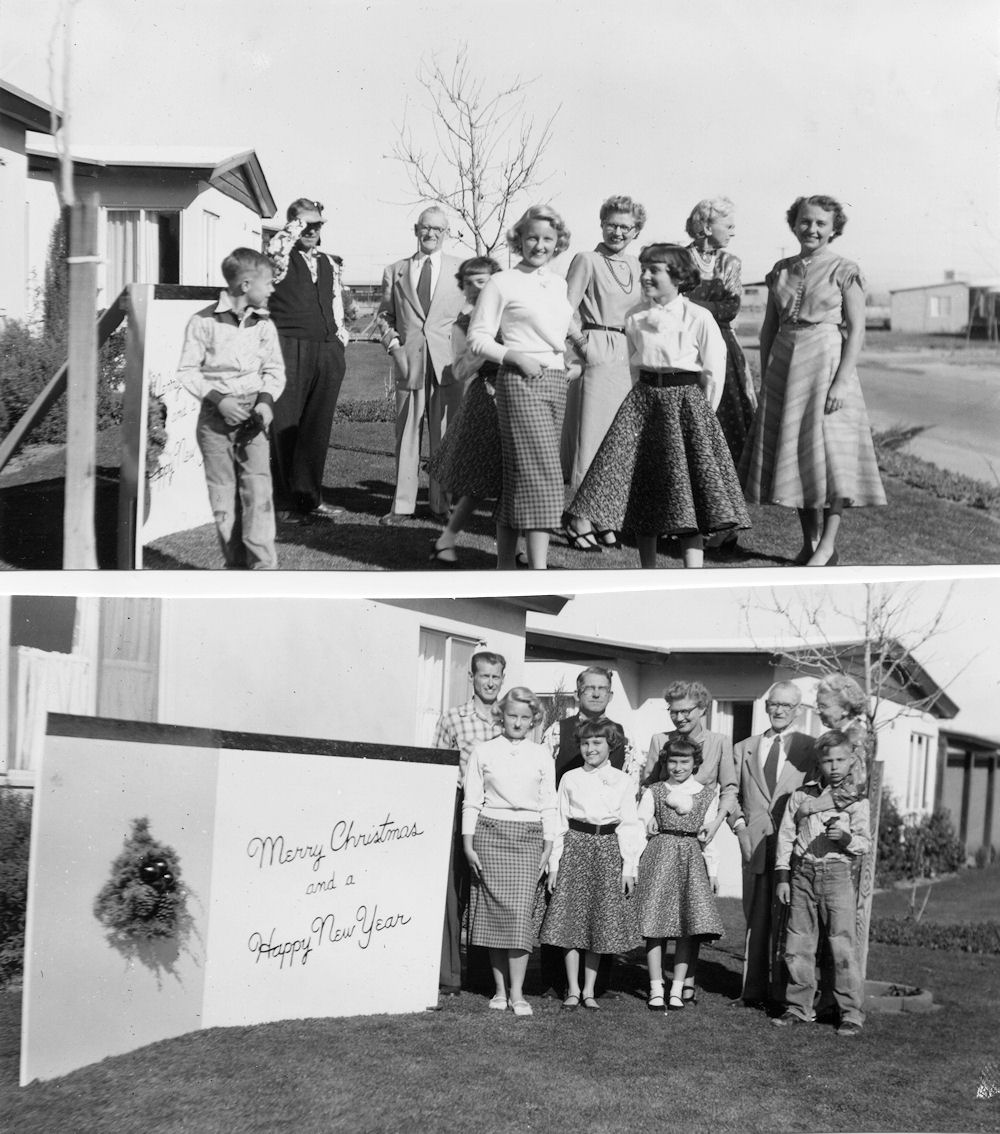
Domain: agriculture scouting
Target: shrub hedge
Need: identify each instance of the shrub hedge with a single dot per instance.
(15, 835)
(978, 937)
(915, 850)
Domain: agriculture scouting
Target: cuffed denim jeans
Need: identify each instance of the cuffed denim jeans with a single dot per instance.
(822, 901)
(238, 474)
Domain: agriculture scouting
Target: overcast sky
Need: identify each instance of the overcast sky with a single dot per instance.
(891, 106)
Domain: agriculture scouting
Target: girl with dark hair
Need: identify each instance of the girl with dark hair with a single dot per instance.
(673, 893)
(810, 447)
(664, 467)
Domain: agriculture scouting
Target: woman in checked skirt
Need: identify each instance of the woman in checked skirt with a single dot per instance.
(508, 826)
(527, 306)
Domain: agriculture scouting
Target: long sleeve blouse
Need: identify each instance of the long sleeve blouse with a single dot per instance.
(531, 312)
(513, 780)
(680, 335)
(600, 796)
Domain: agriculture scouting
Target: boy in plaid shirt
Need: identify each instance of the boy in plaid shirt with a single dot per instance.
(231, 361)
(827, 823)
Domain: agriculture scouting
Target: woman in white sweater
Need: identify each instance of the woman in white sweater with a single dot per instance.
(528, 306)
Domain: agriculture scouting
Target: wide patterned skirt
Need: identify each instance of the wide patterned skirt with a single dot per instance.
(674, 895)
(530, 411)
(469, 460)
(663, 468)
(507, 904)
(797, 454)
(736, 410)
(588, 910)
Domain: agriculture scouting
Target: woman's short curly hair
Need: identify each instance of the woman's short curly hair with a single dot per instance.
(705, 212)
(847, 691)
(827, 204)
(684, 690)
(542, 213)
(522, 695)
(624, 204)
(680, 264)
(604, 727)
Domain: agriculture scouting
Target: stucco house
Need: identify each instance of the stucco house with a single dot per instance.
(20, 113)
(363, 670)
(951, 307)
(168, 214)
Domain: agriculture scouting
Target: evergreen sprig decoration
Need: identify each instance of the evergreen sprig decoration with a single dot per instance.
(143, 899)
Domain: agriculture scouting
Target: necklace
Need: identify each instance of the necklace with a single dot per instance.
(626, 286)
(706, 263)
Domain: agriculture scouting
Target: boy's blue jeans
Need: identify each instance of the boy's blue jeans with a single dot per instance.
(238, 475)
(822, 901)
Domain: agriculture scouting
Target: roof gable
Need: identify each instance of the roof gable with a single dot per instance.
(31, 112)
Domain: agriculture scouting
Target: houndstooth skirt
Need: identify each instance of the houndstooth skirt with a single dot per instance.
(588, 909)
(531, 413)
(506, 906)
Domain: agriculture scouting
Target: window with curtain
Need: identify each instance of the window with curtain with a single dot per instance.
(210, 243)
(442, 678)
(918, 773)
(143, 246)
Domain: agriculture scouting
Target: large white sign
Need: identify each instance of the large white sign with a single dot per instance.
(307, 878)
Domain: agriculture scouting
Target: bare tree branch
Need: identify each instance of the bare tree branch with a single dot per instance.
(485, 151)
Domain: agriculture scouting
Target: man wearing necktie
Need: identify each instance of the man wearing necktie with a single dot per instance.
(768, 768)
(420, 302)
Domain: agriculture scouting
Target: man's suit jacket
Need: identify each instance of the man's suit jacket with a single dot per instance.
(760, 810)
(421, 335)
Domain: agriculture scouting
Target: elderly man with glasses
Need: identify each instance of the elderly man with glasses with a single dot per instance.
(308, 311)
(420, 302)
(769, 767)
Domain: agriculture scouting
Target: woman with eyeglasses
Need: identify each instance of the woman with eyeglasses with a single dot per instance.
(603, 285)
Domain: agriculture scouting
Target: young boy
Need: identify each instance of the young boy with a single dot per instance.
(231, 361)
(825, 824)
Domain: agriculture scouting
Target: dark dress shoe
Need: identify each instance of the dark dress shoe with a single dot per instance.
(395, 519)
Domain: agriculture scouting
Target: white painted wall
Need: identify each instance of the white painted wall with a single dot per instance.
(333, 669)
(13, 262)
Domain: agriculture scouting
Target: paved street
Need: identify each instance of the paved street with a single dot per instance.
(958, 404)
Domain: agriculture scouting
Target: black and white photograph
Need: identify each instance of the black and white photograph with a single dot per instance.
(437, 287)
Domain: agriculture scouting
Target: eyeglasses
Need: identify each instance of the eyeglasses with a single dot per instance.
(776, 705)
(312, 229)
(684, 712)
(593, 689)
(619, 227)
(429, 228)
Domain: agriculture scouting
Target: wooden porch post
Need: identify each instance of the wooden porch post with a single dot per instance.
(79, 537)
(866, 883)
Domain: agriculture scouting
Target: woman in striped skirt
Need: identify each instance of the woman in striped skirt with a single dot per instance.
(811, 446)
(508, 824)
(527, 305)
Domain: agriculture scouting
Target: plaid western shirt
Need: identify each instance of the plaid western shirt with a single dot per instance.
(463, 728)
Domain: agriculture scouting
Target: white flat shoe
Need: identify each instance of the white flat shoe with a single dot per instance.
(521, 1008)
(499, 1002)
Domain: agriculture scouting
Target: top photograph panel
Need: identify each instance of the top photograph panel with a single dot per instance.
(426, 313)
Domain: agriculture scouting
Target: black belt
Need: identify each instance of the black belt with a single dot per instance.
(692, 834)
(664, 378)
(602, 327)
(592, 828)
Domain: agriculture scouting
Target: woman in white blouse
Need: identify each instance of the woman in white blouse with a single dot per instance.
(527, 304)
(508, 825)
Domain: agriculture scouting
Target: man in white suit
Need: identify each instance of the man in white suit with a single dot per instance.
(420, 300)
(768, 768)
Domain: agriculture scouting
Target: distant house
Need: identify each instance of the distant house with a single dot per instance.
(967, 785)
(19, 113)
(951, 307)
(167, 214)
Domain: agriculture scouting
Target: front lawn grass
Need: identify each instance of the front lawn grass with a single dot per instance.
(969, 896)
(621, 1069)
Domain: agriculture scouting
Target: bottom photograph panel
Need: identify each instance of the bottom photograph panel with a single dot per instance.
(408, 823)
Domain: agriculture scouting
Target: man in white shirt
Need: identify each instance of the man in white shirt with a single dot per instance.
(420, 300)
(769, 767)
